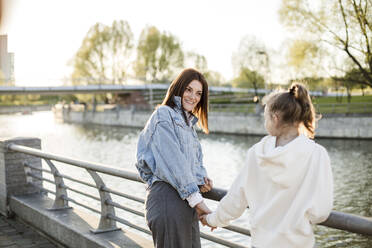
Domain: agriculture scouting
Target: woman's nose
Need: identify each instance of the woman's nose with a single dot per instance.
(192, 96)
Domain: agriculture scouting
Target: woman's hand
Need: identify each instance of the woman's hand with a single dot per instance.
(207, 186)
(203, 220)
(202, 209)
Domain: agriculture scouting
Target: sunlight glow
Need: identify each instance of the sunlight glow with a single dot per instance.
(44, 35)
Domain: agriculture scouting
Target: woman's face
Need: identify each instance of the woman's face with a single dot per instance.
(191, 96)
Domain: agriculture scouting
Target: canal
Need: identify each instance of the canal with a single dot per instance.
(223, 157)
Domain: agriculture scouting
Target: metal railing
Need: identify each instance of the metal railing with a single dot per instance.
(108, 218)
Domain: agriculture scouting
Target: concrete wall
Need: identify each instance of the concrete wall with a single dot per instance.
(23, 109)
(13, 180)
(234, 123)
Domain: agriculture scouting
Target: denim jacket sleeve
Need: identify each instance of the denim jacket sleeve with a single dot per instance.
(172, 165)
(201, 172)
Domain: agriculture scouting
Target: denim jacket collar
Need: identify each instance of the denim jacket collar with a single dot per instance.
(178, 107)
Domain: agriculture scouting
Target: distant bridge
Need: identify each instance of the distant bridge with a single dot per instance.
(104, 88)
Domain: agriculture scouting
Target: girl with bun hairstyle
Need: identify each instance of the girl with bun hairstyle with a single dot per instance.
(287, 179)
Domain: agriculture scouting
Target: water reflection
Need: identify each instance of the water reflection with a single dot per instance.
(224, 155)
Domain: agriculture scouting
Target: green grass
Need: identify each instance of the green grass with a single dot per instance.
(332, 99)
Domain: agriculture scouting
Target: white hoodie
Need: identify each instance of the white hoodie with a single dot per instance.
(287, 189)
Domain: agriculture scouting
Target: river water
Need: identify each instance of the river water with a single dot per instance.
(223, 158)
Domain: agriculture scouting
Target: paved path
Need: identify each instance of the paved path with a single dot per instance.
(14, 234)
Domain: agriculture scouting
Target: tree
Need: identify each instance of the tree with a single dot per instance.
(199, 62)
(214, 78)
(348, 81)
(159, 55)
(321, 84)
(251, 61)
(249, 79)
(305, 57)
(104, 55)
(196, 61)
(345, 25)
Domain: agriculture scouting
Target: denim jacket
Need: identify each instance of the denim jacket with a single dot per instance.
(168, 150)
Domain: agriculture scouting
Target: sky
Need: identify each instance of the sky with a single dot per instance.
(45, 34)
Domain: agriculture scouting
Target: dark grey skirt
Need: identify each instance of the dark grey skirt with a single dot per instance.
(172, 221)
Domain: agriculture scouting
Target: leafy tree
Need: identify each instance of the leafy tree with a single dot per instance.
(159, 55)
(305, 57)
(250, 62)
(345, 25)
(314, 83)
(214, 78)
(197, 61)
(249, 79)
(104, 55)
(348, 81)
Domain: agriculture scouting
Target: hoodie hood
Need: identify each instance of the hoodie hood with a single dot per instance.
(284, 164)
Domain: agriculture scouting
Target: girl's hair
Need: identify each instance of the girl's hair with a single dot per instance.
(178, 87)
(294, 106)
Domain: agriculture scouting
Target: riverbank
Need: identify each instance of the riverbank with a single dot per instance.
(332, 126)
(27, 109)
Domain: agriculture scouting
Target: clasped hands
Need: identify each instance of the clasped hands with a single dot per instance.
(201, 208)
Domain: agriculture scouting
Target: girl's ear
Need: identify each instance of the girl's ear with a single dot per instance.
(275, 118)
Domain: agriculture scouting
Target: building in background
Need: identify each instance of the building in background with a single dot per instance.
(6, 62)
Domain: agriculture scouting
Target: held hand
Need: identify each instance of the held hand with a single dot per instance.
(202, 209)
(203, 220)
(207, 186)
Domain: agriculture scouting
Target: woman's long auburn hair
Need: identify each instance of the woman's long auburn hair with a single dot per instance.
(178, 87)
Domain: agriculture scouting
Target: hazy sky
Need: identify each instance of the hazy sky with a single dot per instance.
(45, 34)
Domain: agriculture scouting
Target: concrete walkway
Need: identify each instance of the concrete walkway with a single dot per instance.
(14, 234)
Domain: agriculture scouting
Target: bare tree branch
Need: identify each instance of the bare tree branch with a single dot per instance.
(360, 16)
(346, 43)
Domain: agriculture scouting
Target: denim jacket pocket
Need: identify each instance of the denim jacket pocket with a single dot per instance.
(181, 128)
(183, 132)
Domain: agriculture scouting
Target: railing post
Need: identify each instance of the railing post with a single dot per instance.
(13, 178)
(105, 224)
(59, 201)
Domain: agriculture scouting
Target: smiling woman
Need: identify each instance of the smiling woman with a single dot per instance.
(170, 161)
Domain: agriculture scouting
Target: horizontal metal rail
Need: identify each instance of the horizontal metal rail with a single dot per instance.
(128, 223)
(221, 241)
(78, 181)
(62, 175)
(66, 198)
(81, 204)
(43, 189)
(38, 169)
(206, 236)
(128, 209)
(82, 193)
(79, 163)
(203, 235)
(40, 178)
(130, 197)
(338, 220)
